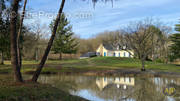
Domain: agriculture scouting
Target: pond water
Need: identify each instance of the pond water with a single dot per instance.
(96, 88)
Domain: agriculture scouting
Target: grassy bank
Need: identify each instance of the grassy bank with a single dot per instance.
(92, 64)
(10, 91)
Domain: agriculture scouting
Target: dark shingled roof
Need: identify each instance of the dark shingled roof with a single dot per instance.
(113, 48)
(108, 47)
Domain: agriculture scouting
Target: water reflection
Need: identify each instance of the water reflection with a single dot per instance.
(119, 82)
(115, 88)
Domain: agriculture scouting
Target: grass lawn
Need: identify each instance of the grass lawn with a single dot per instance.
(96, 63)
(11, 91)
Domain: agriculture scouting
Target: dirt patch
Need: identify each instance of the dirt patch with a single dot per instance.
(48, 72)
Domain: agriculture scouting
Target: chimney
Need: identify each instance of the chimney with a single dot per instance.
(118, 47)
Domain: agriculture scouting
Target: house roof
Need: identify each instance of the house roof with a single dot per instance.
(108, 47)
(115, 48)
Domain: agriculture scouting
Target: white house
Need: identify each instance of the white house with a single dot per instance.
(109, 50)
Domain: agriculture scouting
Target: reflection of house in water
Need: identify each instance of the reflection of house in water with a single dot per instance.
(123, 82)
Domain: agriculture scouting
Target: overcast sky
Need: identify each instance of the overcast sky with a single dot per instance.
(87, 21)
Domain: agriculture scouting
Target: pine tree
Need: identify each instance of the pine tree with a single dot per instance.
(4, 32)
(175, 47)
(64, 41)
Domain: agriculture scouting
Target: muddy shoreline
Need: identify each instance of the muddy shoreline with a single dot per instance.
(118, 72)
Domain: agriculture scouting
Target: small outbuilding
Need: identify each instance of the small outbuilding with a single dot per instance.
(88, 55)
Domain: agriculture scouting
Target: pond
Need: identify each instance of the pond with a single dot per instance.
(97, 88)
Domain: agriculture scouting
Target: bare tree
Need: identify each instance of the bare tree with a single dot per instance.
(39, 31)
(44, 58)
(138, 36)
(148, 38)
(13, 34)
(19, 33)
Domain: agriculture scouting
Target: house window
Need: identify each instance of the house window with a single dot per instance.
(129, 54)
(104, 53)
(124, 54)
(127, 80)
(105, 79)
(114, 54)
(119, 55)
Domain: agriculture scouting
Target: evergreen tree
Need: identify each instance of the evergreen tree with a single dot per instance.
(4, 32)
(175, 47)
(64, 41)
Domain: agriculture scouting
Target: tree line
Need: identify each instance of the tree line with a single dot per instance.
(150, 40)
(147, 38)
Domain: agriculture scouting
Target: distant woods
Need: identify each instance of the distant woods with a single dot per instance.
(148, 38)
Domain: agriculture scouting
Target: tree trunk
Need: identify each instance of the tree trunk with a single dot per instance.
(143, 64)
(44, 58)
(60, 56)
(153, 47)
(18, 37)
(2, 58)
(13, 34)
(36, 54)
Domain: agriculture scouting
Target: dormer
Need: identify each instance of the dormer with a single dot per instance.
(124, 47)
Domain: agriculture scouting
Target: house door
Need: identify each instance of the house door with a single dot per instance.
(124, 54)
(114, 54)
(104, 53)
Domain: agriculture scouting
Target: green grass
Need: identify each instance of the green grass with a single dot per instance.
(96, 63)
(11, 91)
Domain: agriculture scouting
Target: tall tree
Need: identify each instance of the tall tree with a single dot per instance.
(13, 34)
(38, 30)
(3, 34)
(50, 43)
(175, 46)
(2, 7)
(4, 39)
(19, 34)
(64, 41)
(138, 36)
